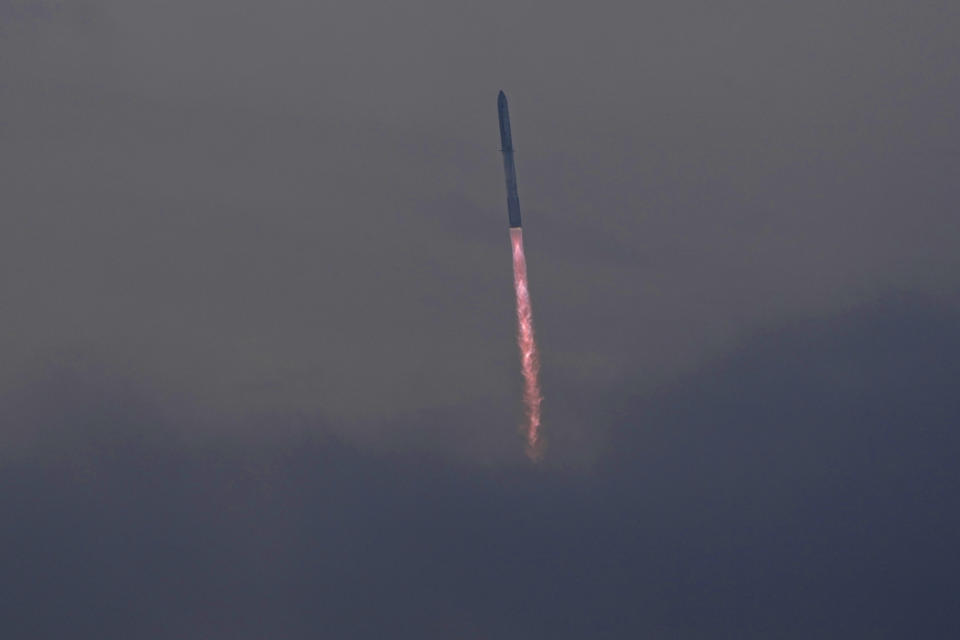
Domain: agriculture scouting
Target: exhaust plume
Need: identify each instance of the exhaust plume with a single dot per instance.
(529, 359)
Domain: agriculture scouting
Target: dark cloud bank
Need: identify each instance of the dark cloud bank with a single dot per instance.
(803, 486)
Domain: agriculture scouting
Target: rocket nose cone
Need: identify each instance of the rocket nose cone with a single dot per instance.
(506, 142)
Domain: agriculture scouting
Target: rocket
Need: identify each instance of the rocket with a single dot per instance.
(509, 170)
(529, 360)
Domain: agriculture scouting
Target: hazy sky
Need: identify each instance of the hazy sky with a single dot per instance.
(259, 376)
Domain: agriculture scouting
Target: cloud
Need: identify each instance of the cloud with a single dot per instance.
(804, 485)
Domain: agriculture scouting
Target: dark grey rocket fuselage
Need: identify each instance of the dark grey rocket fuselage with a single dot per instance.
(509, 170)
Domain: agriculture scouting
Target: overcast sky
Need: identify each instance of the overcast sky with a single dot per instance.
(258, 372)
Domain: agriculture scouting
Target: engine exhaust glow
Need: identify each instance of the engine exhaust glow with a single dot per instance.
(529, 359)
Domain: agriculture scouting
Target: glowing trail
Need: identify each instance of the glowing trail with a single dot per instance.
(529, 359)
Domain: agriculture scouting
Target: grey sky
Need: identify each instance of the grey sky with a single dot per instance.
(300, 204)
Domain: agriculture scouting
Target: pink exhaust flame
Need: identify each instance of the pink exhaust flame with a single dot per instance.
(529, 360)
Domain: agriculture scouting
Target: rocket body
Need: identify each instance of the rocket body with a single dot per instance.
(509, 170)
